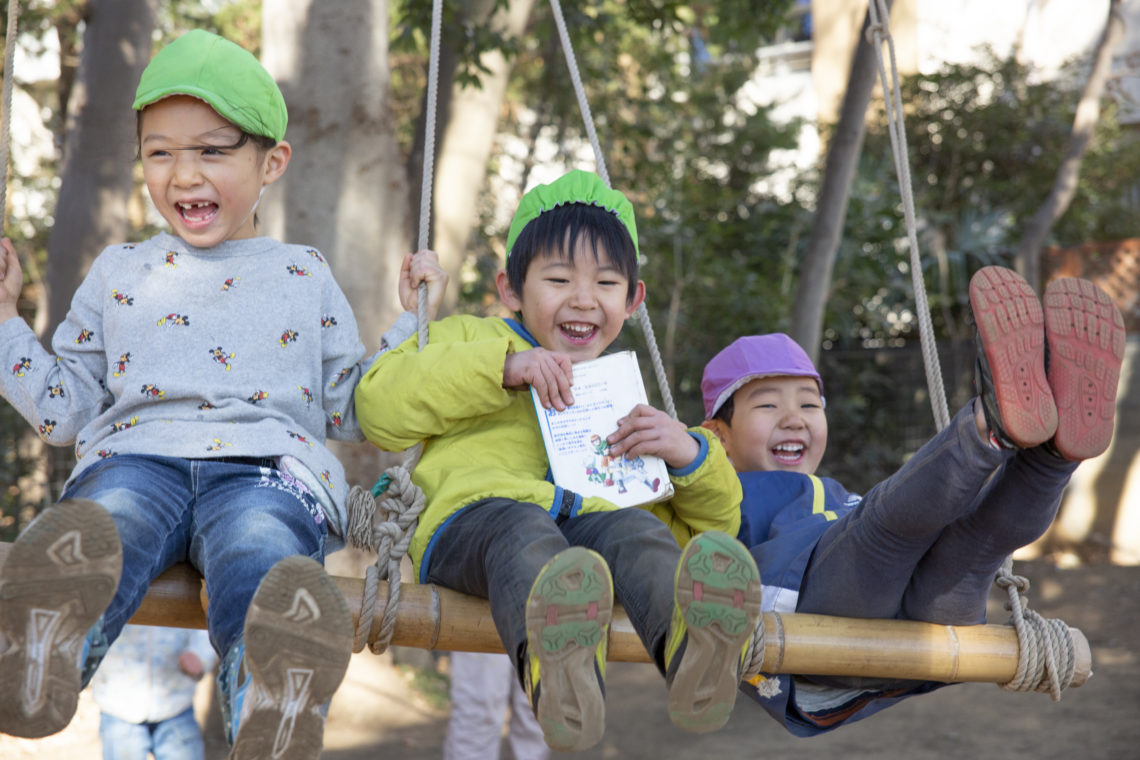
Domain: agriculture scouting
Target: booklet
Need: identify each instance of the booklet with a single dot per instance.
(605, 390)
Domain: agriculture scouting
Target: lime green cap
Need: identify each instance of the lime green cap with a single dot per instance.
(576, 186)
(226, 76)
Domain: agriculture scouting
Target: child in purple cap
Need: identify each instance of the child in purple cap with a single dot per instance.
(495, 526)
(925, 543)
(197, 375)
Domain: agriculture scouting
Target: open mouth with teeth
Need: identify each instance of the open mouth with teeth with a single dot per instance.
(789, 453)
(578, 332)
(197, 213)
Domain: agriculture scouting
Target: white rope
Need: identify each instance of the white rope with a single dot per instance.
(878, 33)
(6, 116)
(1047, 656)
(389, 536)
(599, 159)
(427, 180)
(403, 501)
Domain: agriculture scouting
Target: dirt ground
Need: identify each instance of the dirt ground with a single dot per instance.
(378, 714)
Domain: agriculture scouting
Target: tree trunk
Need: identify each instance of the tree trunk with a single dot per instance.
(345, 191)
(467, 139)
(96, 171)
(815, 270)
(1084, 124)
(98, 152)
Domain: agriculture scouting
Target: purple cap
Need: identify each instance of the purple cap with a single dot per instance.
(751, 357)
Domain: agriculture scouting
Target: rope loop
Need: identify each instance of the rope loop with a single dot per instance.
(385, 527)
(1047, 652)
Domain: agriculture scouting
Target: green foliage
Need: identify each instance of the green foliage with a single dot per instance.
(665, 83)
(985, 143)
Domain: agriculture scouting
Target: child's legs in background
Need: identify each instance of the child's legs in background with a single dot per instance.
(495, 549)
(862, 563)
(148, 499)
(483, 685)
(246, 517)
(178, 738)
(122, 739)
(951, 583)
(642, 554)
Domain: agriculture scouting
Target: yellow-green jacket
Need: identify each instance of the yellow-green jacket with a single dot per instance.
(482, 440)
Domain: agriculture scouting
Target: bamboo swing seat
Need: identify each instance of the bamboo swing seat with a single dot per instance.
(431, 617)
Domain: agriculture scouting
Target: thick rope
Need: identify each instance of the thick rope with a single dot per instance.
(878, 33)
(1047, 653)
(389, 536)
(754, 655)
(402, 501)
(427, 179)
(600, 160)
(6, 115)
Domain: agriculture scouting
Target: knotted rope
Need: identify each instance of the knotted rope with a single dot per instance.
(1046, 658)
(389, 533)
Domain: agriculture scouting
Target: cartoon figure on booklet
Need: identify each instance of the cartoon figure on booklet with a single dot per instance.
(604, 468)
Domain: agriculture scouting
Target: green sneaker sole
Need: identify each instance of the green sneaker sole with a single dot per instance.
(717, 605)
(568, 614)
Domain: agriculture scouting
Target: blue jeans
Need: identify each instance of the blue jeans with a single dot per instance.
(496, 547)
(177, 738)
(926, 542)
(231, 520)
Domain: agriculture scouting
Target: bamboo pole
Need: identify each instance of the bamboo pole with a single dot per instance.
(431, 617)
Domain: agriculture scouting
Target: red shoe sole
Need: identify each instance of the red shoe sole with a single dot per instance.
(1011, 325)
(1085, 333)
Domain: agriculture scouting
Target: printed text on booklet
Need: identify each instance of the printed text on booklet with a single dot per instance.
(605, 390)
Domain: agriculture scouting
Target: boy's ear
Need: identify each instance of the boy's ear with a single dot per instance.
(638, 297)
(507, 293)
(715, 427)
(276, 159)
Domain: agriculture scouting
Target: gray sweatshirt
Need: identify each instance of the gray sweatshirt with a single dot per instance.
(248, 348)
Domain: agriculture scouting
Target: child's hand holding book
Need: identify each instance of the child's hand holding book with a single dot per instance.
(646, 430)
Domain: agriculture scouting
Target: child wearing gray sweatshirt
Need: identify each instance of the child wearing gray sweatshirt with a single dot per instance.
(197, 375)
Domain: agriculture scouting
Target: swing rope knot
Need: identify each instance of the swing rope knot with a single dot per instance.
(1047, 652)
(385, 527)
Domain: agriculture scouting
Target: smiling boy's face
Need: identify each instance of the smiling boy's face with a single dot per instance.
(204, 187)
(778, 423)
(574, 306)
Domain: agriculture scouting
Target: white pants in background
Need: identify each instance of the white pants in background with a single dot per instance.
(482, 686)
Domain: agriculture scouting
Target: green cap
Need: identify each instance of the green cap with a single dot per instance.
(576, 186)
(226, 76)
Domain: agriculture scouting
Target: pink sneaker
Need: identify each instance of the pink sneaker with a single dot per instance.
(1011, 380)
(1085, 334)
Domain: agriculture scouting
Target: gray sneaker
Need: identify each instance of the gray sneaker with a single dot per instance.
(55, 583)
(568, 614)
(298, 641)
(717, 595)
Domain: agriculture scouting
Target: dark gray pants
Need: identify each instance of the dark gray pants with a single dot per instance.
(496, 547)
(926, 542)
